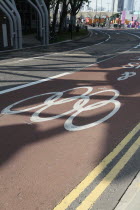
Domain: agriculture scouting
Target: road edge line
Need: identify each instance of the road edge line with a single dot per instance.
(96, 171)
(90, 200)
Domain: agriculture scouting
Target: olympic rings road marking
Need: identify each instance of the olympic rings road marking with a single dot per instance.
(78, 108)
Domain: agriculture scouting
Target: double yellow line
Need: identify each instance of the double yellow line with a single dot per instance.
(100, 188)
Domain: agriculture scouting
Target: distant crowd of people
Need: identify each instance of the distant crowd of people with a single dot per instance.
(134, 24)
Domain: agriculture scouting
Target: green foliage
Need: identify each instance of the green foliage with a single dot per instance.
(71, 7)
(76, 5)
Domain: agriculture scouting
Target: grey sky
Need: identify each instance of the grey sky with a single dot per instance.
(107, 4)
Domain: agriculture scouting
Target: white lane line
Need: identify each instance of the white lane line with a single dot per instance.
(91, 45)
(57, 76)
(84, 55)
(47, 55)
(50, 78)
(109, 37)
(133, 35)
(60, 42)
(137, 46)
(34, 83)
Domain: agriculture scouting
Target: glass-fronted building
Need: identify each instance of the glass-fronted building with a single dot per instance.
(120, 5)
(129, 5)
(19, 18)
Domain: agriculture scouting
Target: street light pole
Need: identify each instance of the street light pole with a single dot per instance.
(108, 6)
(101, 11)
(101, 5)
(138, 16)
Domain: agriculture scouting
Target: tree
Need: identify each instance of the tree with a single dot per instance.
(56, 8)
(49, 4)
(71, 7)
(64, 12)
(75, 8)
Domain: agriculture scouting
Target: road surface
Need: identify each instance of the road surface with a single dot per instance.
(70, 131)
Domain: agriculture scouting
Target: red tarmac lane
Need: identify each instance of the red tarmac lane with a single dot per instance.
(54, 133)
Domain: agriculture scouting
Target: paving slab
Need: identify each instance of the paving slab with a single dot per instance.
(131, 198)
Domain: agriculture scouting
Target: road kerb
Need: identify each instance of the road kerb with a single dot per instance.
(131, 197)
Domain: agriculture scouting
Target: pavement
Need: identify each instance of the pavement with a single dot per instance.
(31, 43)
(131, 198)
(88, 135)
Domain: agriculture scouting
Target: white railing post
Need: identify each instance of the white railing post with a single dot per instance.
(40, 17)
(10, 12)
(43, 20)
(46, 21)
(11, 25)
(18, 19)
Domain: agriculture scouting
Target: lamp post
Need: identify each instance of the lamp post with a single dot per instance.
(139, 13)
(108, 6)
(100, 11)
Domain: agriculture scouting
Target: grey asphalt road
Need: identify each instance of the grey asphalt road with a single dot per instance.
(27, 66)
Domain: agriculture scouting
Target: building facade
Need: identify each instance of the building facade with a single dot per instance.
(120, 5)
(129, 5)
(20, 17)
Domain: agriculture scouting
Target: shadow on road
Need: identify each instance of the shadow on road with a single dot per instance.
(86, 147)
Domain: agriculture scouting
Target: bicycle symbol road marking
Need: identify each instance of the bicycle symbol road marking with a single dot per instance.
(78, 108)
(126, 75)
